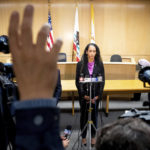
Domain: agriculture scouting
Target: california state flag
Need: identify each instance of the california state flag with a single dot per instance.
(76, 48)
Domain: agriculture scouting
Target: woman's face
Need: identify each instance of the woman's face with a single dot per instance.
(91, 52)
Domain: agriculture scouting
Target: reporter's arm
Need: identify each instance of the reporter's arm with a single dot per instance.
(37, 120)
(35, 69)
(37, 124)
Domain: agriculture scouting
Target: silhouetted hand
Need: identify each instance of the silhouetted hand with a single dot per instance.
(35, 69)
(87, 98)
(94, 99)
(65, 141)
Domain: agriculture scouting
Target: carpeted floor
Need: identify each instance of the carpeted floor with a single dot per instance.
(116, 108)
(66, 118)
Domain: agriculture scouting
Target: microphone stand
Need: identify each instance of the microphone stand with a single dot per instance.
(89, 123)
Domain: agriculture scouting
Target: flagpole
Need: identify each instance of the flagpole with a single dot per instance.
(74, 49)
(48, 5)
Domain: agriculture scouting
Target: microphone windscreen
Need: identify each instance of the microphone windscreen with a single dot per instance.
(69, 127)
(67, 131)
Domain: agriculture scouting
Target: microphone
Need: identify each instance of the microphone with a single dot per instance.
(94, 78)
(67, 131)
(87, 78)
(90, 78)
(81, 79)
(100, 78)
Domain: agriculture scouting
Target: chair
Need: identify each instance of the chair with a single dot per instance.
(116, 58)
(62, 57)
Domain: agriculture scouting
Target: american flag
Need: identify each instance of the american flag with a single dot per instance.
(50, 38)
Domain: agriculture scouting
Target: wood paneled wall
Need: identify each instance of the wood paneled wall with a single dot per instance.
(121, 26)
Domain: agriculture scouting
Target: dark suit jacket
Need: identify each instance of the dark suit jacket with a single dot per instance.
(97, 88)
(58, 89)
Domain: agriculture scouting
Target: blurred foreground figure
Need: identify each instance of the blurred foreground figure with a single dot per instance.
(124, 134)
(37, 117)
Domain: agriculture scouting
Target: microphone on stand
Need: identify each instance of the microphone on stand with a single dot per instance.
(86, 80)
(81, 78)
(100, 78)
(94, 79)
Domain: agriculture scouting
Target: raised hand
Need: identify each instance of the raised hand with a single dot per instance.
(35, 69)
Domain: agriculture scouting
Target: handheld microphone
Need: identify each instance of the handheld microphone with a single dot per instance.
(67, 131)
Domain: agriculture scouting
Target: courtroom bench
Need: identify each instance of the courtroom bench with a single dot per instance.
(113, 70)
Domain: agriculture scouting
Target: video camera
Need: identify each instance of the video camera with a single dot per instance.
(144, 76)
(6, 70)
(8, 94)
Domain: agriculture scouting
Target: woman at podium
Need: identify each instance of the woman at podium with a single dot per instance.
(90, 67)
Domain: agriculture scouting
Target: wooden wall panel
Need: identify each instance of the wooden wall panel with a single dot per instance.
(122, 26)
(113, 70)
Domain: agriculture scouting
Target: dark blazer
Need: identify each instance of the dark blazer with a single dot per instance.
(58, 89)
(97, 88)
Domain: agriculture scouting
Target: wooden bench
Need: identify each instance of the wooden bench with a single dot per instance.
(113, 70)
(111, 87)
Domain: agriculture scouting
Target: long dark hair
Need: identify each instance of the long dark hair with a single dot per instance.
(84, 58)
